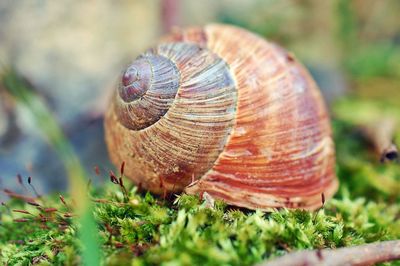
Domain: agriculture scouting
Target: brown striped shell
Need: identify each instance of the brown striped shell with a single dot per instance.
(220, 110)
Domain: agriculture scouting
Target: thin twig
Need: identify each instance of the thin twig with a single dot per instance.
(381, 133)
(368, 254)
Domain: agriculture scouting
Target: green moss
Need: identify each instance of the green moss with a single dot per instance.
(188, 232)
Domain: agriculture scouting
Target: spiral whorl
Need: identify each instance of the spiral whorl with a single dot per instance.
(146, 90)
(135, 80)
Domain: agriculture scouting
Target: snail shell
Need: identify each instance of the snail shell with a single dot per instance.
(220, 110)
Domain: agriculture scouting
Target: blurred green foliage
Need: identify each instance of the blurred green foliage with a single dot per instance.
(24, 95)
(361, 37)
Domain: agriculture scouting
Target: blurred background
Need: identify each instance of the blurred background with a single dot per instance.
(72, 52)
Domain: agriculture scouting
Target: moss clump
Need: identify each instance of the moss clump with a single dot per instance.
(147, 231)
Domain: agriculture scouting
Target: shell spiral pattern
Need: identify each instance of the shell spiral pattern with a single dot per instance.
(220, 110)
